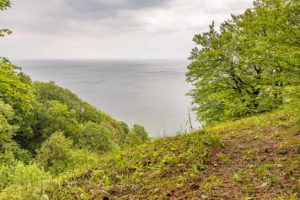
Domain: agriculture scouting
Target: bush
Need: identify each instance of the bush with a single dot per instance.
(7, 131)
(95, 137)
(82, 159)
(30, 175)
(136, 136)
(7, 168)
(55, 153)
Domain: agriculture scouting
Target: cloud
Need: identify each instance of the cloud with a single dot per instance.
(104, 8)
(110, 28)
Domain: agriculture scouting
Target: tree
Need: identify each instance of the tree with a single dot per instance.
(46, 92)
(137, 136)
(60, 118)
(83, 112)
(15, 87)
(125, 127)
(95, 137)
(16, 90)
(247, 66)
(55, 153)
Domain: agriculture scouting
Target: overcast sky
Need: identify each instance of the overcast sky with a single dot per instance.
(125, 29)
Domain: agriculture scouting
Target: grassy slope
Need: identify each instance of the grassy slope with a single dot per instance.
(253, 158)
(256, 157)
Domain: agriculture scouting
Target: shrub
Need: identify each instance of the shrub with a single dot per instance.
(95, 137)
(55, 153)
(136, 136)
(7, 168)
(30, 175)
(7, 131)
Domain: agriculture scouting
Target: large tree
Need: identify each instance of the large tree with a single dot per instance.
(250, 65)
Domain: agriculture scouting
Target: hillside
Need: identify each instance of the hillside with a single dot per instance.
(245, 83)
(253, 158)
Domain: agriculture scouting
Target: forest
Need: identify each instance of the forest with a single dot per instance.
(246, 94)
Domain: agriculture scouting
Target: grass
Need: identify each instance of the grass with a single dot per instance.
(252, 158)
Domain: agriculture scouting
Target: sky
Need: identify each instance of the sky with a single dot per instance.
(110, 29)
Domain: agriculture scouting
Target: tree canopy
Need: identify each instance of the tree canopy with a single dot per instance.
(31, 112)
(249, 66)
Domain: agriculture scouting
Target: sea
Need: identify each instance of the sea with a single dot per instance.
(151, 93)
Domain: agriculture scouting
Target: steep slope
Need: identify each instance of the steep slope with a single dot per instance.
(253, 158)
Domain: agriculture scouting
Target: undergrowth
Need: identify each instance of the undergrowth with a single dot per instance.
(252, 158)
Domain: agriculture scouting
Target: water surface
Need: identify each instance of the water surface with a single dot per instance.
(147, 92)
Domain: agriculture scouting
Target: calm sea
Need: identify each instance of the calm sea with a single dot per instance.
(147, 92)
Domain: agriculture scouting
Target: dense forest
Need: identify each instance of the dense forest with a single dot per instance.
(246, 78)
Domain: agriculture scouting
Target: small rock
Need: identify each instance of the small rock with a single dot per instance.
(204, 196)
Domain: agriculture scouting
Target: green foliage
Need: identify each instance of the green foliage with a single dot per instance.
(58, 155)
(125, 128)
(4, 4)
(39, 122)
(15, 86)
(136, 136)
(164, 168)
(95, 137)
(81, 158)
(141, 132)
(23, 155)
(59, 109)
(4, 32)
(7, 168)
(25, 182)
(44, 108)
(16, 90)
(250, 66)
(60, 118)
(165, 163)
(84, 112)
(7, 131)
(55, 153)
(29, 175)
